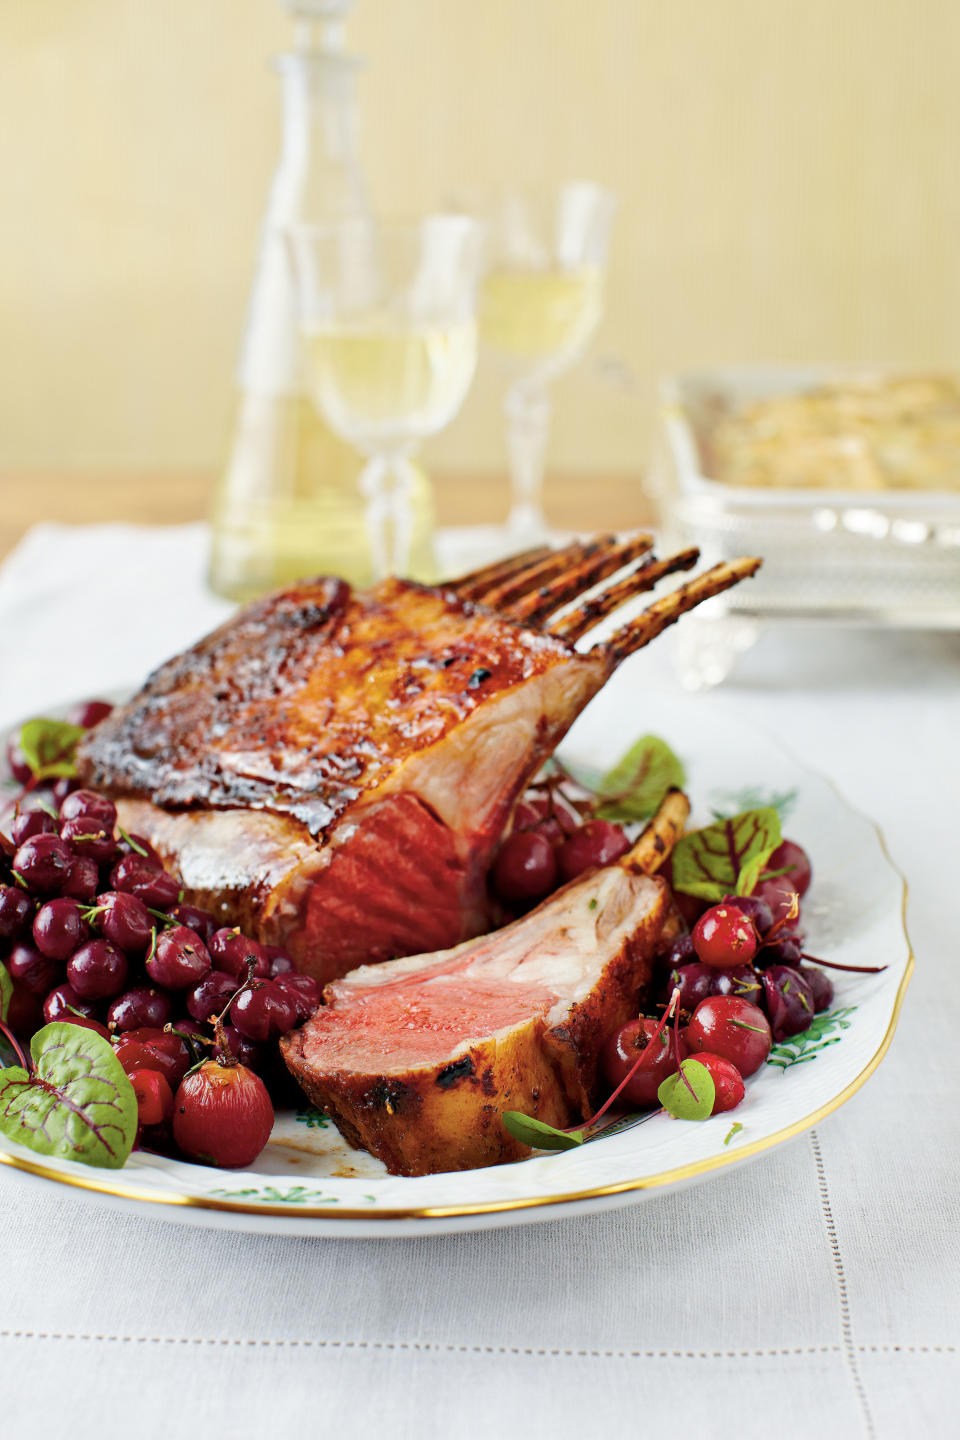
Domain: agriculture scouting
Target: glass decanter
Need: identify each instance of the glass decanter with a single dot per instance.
(288, 503)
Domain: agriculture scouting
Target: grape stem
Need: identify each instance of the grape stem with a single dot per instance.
(225, 1055)
(671, 1011)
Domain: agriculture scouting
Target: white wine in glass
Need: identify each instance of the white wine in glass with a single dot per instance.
(541, 301)
(388, 316)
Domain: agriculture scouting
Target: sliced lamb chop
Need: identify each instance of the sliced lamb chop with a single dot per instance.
(416, 1060)
(334, 770)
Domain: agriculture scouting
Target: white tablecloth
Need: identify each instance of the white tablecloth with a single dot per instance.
(815, 1292)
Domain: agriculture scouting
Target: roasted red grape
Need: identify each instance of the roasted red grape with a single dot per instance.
(89, 804)
(152, 1049)
(83, 881)
(699, 982)
(89, 713)
(723, 936)
(15, 911)
(598, 842)
(178, 960)
(125, 920)
(788, 1001)
(201, 921)
(43, 862)
(144, 877)
(98, 970)
(32, 822)
(821, 987)
(779, 894)
(154, 1096)
(17, 762)
(264, 1012)
(525, 868)
(64, 1001)
(138, 1009)
(58, 928)
(794, 859)
(754, 908)
(35, 971)
(210, 996)
(303, 990)
(231, 952)
(728, 1026)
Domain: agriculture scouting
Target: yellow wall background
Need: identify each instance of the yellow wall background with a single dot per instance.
(787, 169)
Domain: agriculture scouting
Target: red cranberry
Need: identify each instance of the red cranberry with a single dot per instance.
(154, 1096)
(150, 1049)
(210, 996)
(142, 876)
(17, 762)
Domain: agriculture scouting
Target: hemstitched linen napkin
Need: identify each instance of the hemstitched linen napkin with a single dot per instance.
(813, 1291)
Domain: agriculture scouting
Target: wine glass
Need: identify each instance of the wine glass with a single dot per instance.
(540, 303)
(388, 317)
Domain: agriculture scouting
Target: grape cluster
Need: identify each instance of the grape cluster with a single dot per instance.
(751, 947)
(94, 931)
(738, 980)
(550, 843)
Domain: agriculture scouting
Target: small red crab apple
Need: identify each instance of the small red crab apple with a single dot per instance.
(732, 1028)
(724, 936)
(222, 1115)
(727, 1081)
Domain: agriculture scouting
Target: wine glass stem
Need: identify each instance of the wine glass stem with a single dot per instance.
(527, 411)
(389, 512)
(376, 514)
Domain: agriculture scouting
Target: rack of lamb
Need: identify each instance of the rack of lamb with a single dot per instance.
(333, 770)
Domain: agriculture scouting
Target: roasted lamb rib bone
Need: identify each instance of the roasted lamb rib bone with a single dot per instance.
(575, 623)
(503, 596)
(334, 770)
(546, 600)
(416, 1060)
(478, 582)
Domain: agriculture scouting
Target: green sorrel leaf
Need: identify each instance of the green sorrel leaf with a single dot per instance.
(49, 748)
(538, 1134)
(735, 1129)
(635, 786)
(78, 1104)
(675, 1096)
(726, 858)
(6, 990)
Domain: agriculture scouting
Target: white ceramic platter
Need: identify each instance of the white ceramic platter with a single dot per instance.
(309, 1182)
